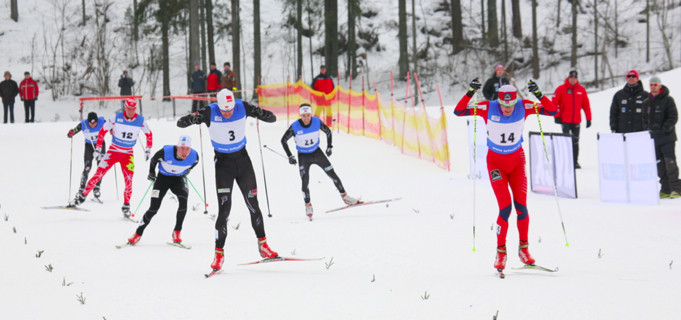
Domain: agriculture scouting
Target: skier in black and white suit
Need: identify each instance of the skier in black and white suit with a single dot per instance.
(175, 164)
(306, 133)
(226, 122)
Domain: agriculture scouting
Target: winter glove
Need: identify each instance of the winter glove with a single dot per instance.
(97, 155)
(534, 88)
(195, 118)
(474, 86)
(147, 154)
(292, 160)
(258, 111)
(70, 134)
(588, 123)
(328, 151)
(151, 176)
(557, 120)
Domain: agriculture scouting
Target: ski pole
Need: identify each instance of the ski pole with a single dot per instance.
(475, 160)
(144, 196)
(262, 161)
(553, 178)
(70, 168)
(197, 191)
(203, 171)
(279, 154)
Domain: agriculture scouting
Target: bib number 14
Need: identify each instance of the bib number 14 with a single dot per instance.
(511, 138)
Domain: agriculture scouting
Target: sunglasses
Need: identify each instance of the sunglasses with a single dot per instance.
(654, 84)
(632, 76)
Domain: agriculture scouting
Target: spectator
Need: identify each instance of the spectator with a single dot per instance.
(663, 116)
(8, 91)
(198, 86)
(570, 98)
(229, 80)
(213, 80)
(323, 83)
(125, 83)
(492, 85)
(626, 110)
(28, 91)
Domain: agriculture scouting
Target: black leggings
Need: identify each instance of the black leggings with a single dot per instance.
(317, 157)
(9, 109)
(87, 160)
(29, 110)
(573, 129)
(163, 183)
(229, 167)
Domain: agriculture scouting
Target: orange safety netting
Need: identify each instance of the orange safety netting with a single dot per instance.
(363, 114)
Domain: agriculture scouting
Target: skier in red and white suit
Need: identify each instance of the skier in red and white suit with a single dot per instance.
(125, 127)
(505, 119)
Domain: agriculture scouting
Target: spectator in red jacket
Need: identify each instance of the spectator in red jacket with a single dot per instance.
(571, 99)
(28, 91)
(323, 83)
(213, 80)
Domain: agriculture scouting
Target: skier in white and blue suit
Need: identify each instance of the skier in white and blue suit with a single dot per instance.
(90, 128)
(174, 164)
(306, 133)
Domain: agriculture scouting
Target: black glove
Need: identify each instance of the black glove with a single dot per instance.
(328, 151)
(557, 120)
(258, 111)
(70, 134)
(151, 176)
(588, 123)
(292, 160)
(195, 118)
(147, 154)
(534, 88)
(474, 86)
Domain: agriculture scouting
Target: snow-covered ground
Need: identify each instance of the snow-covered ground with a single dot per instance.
(411, 259)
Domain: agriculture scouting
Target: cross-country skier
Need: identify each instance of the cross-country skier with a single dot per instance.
(306, 136)
(125, 127)
(175, 164)
(226, 122)
(505, 120)
(90, 128)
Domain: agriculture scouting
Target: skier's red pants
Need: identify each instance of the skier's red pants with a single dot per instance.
(508, 170)
(127, 162)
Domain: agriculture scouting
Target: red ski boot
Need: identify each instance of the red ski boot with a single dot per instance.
(219, 259)
(524, 253)
(265, 250)
(500, 261)
(176, 237)
(134, 239)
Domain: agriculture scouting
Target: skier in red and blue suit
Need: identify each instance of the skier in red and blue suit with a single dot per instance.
(505, 119)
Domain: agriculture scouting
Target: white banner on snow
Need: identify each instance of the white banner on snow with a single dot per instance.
(477, 169)
(627, 168)
(560, 164)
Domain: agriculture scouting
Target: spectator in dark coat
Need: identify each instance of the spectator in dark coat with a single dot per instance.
(28, 91)
(492, 85)
(663, 115)
(198, 86)
(8, 91)
(570, 98)
(213, 80)
(125, 83)
(627, 108)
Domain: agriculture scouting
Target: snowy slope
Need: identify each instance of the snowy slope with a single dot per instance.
(386, 259)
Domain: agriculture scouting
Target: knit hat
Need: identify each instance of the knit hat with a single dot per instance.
(508, 95)
(572, 74)
(131, 102)
(499, 66)
(197, 64)
(633, 71)
(655, 79)
(92, 117)
(185, 141)
(7, 74)
(226, 100)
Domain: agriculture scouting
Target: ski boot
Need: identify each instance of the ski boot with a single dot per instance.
(80, 198)
(348, 199)
(308, 210)
(134, 239)
(664, 195)
(126, 210)
(500, 261)
(674, 195)
(176, 237)
(524, 253)
(96, 192)
(265, 250)
(219, 259)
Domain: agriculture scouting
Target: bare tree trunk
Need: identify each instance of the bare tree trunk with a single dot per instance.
(647, 30)
(595, 41)
(517, 24)
(84, 17)
(573, 57)
(493, 28)
(299, 39)
(535, 46)
(559, 14)
(135, 23)
(194, 43)
(662, 13)
(352, 43)
(236, 46)
(14, 8)
(457, 26)
(202, 25)
(209, 31)
(402, 38)
(331, 36)
(257, 60)
(482, 15)
(415, 52)
(503, 27)
(165, 43)
(616, 29)
(309, 39)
